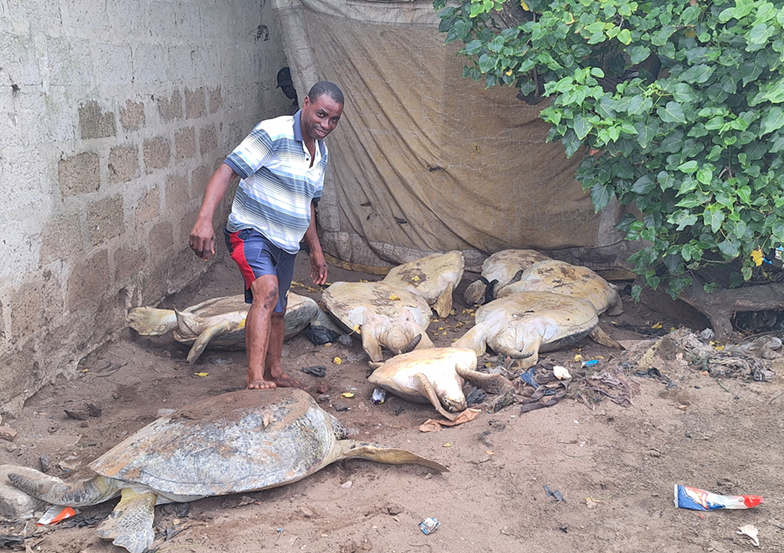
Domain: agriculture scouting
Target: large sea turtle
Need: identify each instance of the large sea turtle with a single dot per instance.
(383, 315)
(220, 322)
(436, 376)
(567, 279)
(497, 270)
(525, 323)
(434, 278)
(233, 443)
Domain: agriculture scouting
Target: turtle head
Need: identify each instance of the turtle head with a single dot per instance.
(454, 403)
(341, 431)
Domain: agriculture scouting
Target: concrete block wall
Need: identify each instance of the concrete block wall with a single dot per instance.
(113, 116)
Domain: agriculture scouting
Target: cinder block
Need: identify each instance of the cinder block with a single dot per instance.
(128, 262)
(94, 123)
(157, 153)
(161, 238)
(149, 207)
(208, 140)
(79, 174)
(123, 163)
(88, 281)
(216, 99)
(176, 192)
(171, 108)
(61, 238)
(185, 143)
(132, 115)
(194, 103)
(199, 179)
(105, 219)
(26, 310)
(155, 286)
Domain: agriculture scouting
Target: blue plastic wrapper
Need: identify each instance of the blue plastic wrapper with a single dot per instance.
(696, 499)
(429, 525)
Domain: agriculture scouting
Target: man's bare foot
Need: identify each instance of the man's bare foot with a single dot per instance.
(285, 381)
(259, 384)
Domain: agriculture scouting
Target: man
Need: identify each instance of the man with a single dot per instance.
(286, 85)
(281, 164)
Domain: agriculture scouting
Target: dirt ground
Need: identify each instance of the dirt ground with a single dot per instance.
(723, 435)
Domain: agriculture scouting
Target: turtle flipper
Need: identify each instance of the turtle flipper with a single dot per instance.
(430, 393)
(149, 321)
(443, 304)
(204, 339)
(473, 339)
(493, 383)
(381, 454)
(76, 494)
(601, 337)
(371, 346)
(130, 524)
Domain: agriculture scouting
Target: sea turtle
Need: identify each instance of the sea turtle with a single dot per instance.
(497, 270)
(238, 442)
(523, 324)
(436, 376)
(383, 315)
(220, 322)
(434, 278)
(570, 280)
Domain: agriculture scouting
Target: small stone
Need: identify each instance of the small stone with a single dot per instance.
(393, 509)
(46, 463)
(306, 512)
(323, 388)
(7, 433)
(323, 398)
(340, 406)
(346, 485)
(84, 424)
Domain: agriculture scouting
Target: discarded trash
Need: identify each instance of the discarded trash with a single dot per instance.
(346, 340)
(429, 525)
(379, 396)
(55, 514)
(337, 360)
(555, 494)
(751, 531)
(321, 335)
(529, 377)
(590, 363)
(561, 373)
(475, 396)
(317, 370)
(687, 497)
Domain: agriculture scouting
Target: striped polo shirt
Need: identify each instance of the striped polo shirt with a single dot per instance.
(278, 182)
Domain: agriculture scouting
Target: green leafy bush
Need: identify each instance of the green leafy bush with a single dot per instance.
(696, 146)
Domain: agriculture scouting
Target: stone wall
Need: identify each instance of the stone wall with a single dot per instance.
(113, 115)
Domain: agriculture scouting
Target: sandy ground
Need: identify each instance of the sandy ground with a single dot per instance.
(614, 466)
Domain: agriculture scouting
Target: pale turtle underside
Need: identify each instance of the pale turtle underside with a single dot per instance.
(220, 322)
(570, 280)
(384, 316)
(499, 269)
(434, 278)
(238, 442)
(523, 324)
(435, 375)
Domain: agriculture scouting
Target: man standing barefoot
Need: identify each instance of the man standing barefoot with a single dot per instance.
(282, 164)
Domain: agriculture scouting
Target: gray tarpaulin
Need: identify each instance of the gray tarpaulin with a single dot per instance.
(424, 160)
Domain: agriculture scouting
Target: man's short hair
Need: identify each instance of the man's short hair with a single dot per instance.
(325, 87)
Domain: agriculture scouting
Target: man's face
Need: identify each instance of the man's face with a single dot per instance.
(320, 117)
(289, 91)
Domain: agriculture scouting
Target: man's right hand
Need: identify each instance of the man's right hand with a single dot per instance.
(202, 240)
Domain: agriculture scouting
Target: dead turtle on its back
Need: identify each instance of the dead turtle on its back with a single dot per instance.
(233, 443)
(436, 375)
(523, 324)
(497, 270)
(220, 322)
(434, 278)
(383, 315)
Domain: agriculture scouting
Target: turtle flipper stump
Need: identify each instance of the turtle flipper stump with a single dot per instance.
(430, 393)
(130, 524)
(599, 336)
(76, 494)
(206, 337)
(443, 304)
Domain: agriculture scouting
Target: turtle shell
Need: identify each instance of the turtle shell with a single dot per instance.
(502, 267)
(570, 280)
(236, 442)
(347, 301)
(430, 276)
(509, 322)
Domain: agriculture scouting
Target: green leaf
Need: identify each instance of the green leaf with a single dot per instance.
(643, 185)
(714, 219)
(683, 219)
(697, 74)
(689, 167)
(625, 36)
(684, 94)
(672, 113)
(646, 130)
(729, 248)
(582, 126)
(705, 176)
(772, 121)
(600, 195)
(639, 54)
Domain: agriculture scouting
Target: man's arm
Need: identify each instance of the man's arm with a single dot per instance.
(318, 266)
(202, 239)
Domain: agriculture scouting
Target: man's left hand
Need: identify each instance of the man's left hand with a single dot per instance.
(318, 267)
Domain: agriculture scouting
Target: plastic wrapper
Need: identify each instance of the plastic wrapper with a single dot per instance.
(429, 525)
(696, 499)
